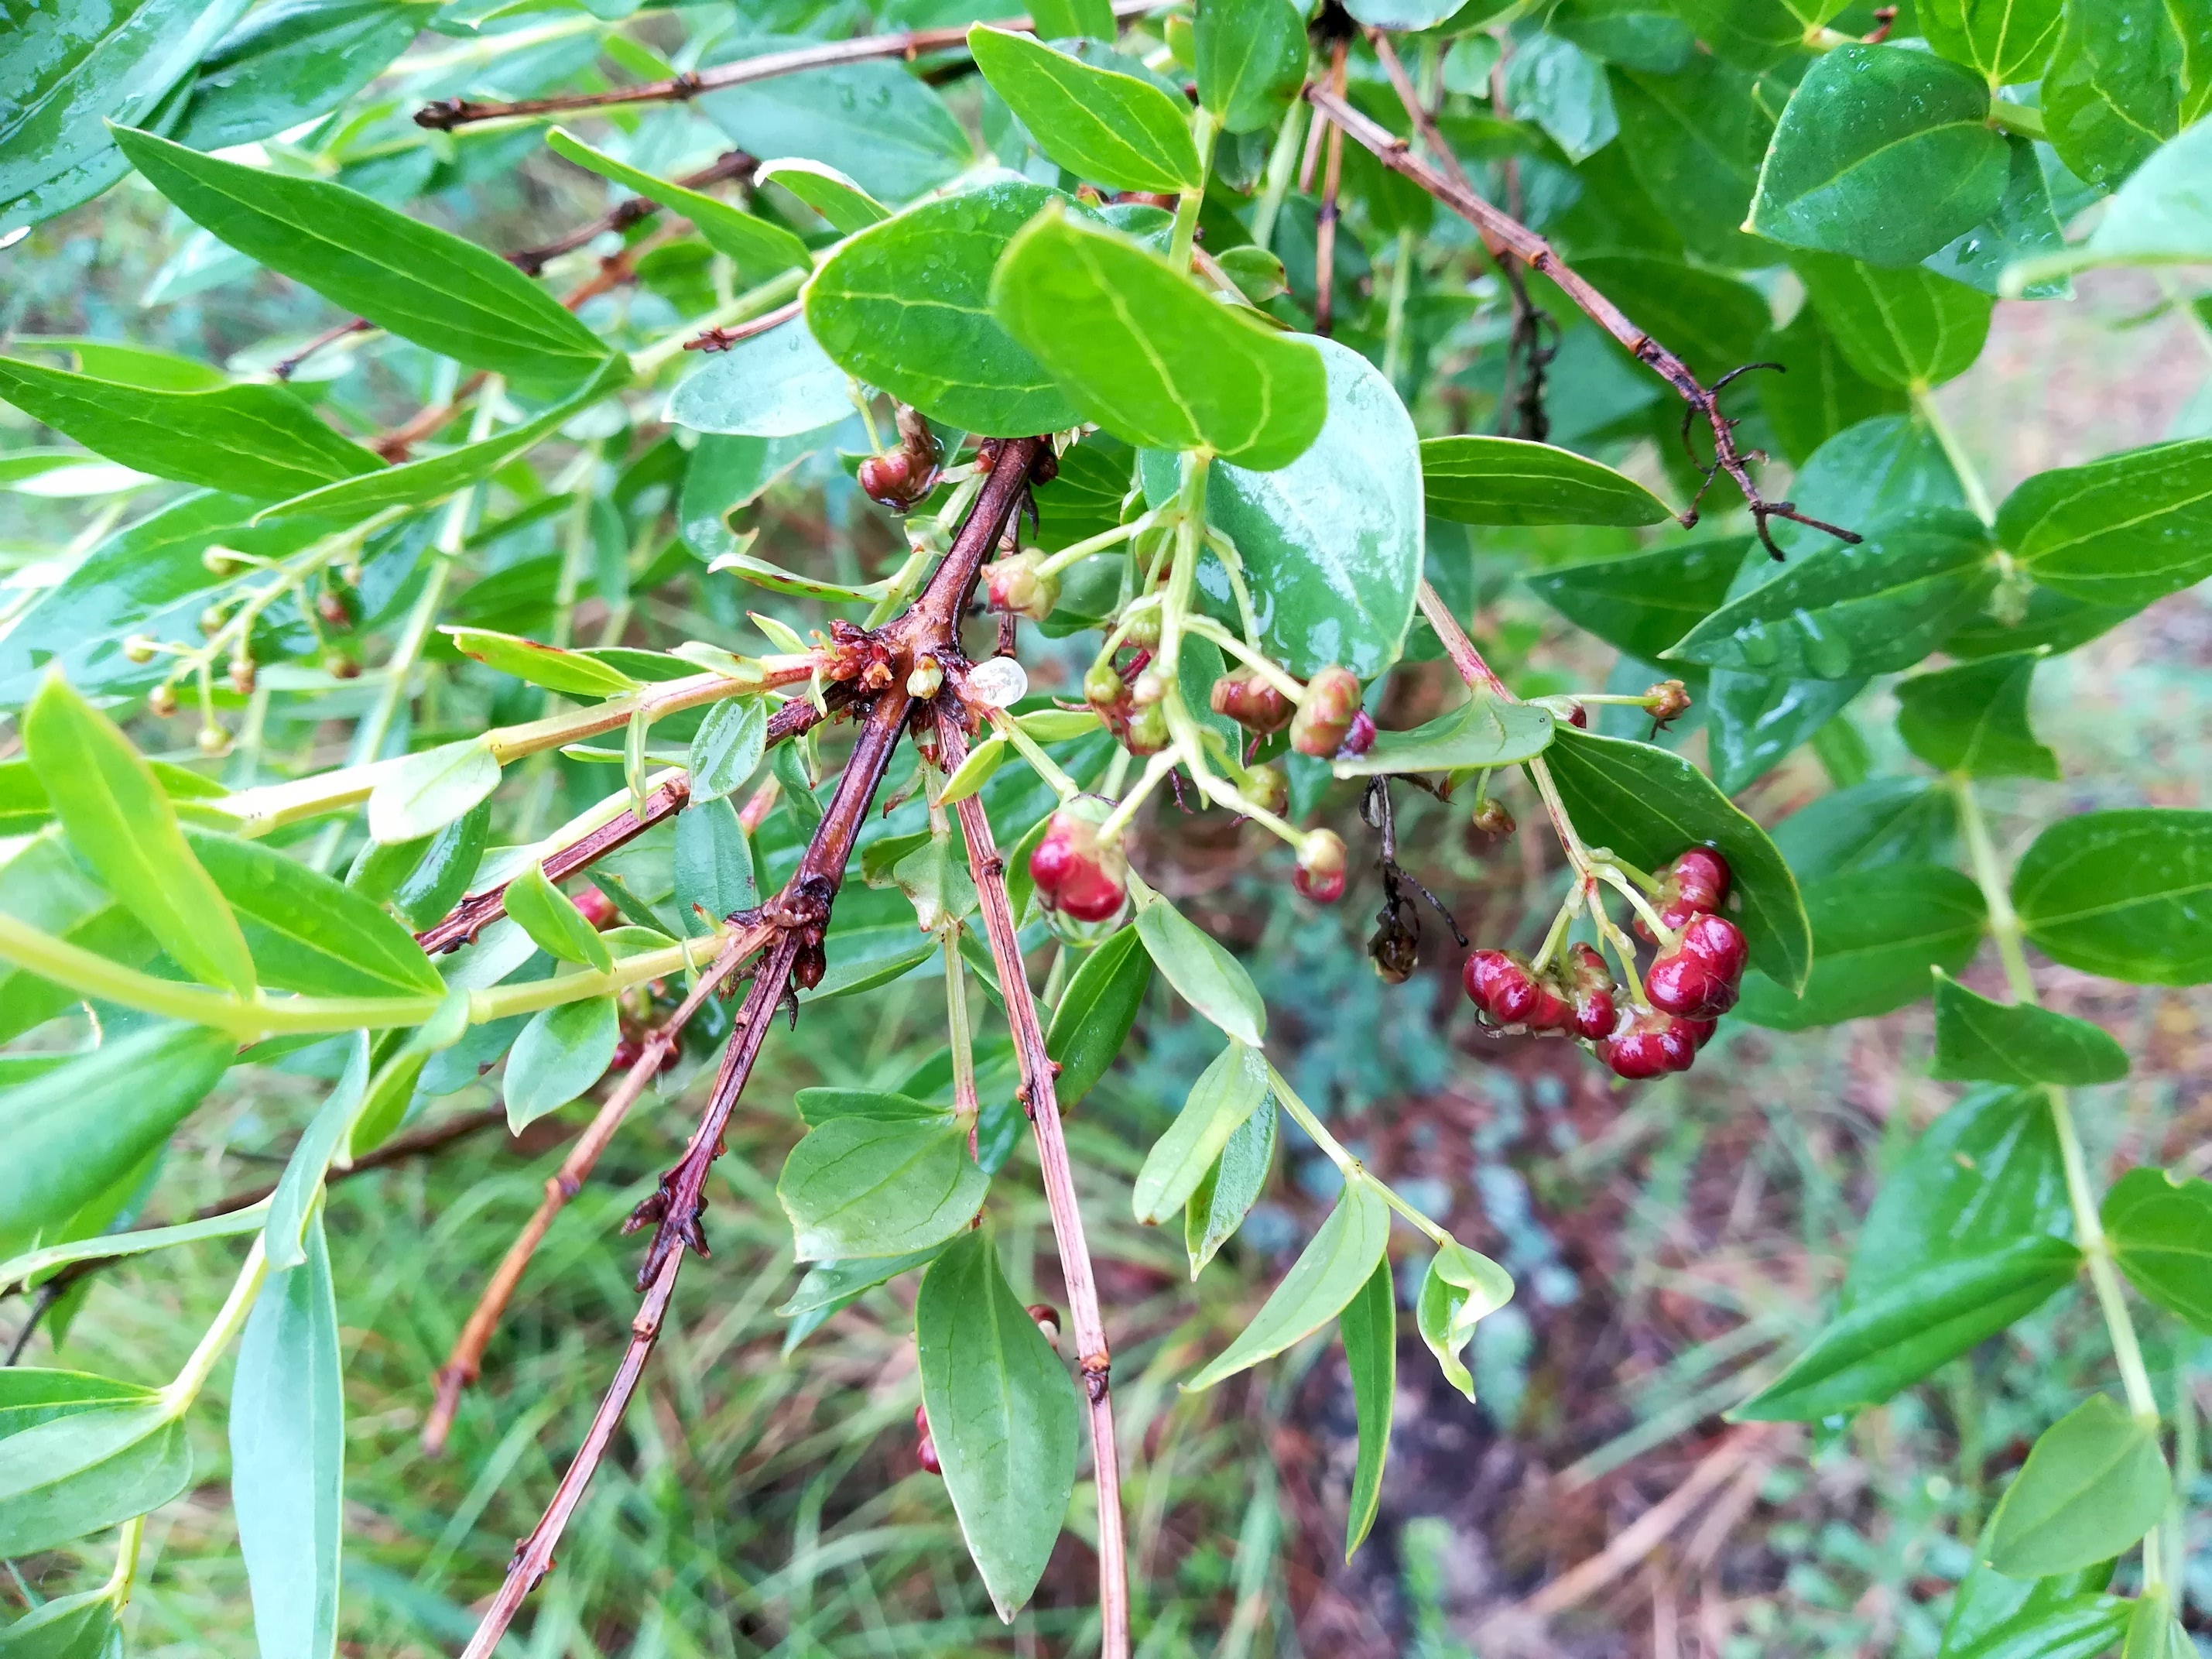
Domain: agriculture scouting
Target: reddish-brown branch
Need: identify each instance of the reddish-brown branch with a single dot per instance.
(465, 1362)
(449, 112)
(1093, 1358)
(1325, 217)
(1478, 674)
(1525, 243)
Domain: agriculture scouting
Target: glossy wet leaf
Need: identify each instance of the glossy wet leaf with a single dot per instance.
(1251, 57)
(1368, 1326)
(119, 821)
(1553, 81)
(1694, 139)
(2018, 1043)
(1227, 1192)
(1203, 973)
(1883, 153)
(1648, 804)
(1969, 1232)
(430, 789)
(2123, 530)
(1489, 480)
(1331, 544)
(562, 1052)
(1336, 1262)
(2061, 1617)
(906, 305)
(779, 384)
(1821, 391)
(1460, 1289)
(715, 873)
(2094, 1483)
(288, 1456)
(877, 121)
(1227, 1092)
(1484, 731)
(1111, 129)
(860, 1186)
(1972, 719)
(2161, 1228)
(257, 441)
(1843, 612)
(2124, 77)
(2023, 231)
(831, 194)
(759, 247)
(76, 1131)
(1003, 1412)
(1754, 721)
(1148, 355)
(2125, 893)
(2159, 217)
(448, 865)
(2003, 42)
(554, 923)
(88, 1471)
(570, 672)
(1897, 328)
(1643, 602)
(1861, 477)
(307, 933)
(419, 283)
(1874, 943)
(290, 61)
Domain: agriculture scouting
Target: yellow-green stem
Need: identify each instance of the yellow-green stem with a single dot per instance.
(1970, 479)
(1353, 1170)
(177, 1398)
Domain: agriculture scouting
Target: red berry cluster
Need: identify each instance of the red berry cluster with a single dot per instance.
(1688, 987)
(1077, 874)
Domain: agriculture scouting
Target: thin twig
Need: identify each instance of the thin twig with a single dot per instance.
(1093, 1355)
(465, 1362)
(731, 164)
(1325, 218)
(447, 113)
(290, 366)
(1396, 154)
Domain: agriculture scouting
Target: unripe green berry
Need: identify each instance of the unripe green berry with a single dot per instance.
(1102, 686)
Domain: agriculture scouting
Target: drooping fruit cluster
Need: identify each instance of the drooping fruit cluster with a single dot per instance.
(1077, 873)
(1691, 984)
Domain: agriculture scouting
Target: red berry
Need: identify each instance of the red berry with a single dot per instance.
(921, 1420)
(1648, 1045)
(1719, 944)
(1681, 984)
(1701, 876)
(1076, 872)
(1251, 701)
(1701, 1031)
(1358, 738)
(1591, 992)
(1486, 974)
(925, 1454)
(1324, 718)
(627, 1053)
(1320, 875)
(598, 908)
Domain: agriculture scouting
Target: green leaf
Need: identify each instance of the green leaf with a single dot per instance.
(865, 957)
(80, 1626)
(563, 1051)
(1227, 1192)
(2122, 893)
(727, 473)
(449, 864)
(2003, 42)
(1820, 392)
(1550, 80)
(1649, 805)
(118, 818)
(2123, 530)
(258, 440)
(2062, 1617)
(1479, 480)
(1203, 973)
(862, 1186)
(569, 673)
(2159, 217)
(1409, 13)
(2024, 228)
(436, 477)
(819, 1106)
(877, 121)
(779, 384)
(1754, 721)
(831, 194)
(2017, 1043)
(1251, 57)
(76, 1131)
(1114, 130)
(2124, 77)
(32, 1263)
(2154, 1633)
(86, 1472)
(1226, 1093)
(288, 1456)
(29, 1396)
(715, 874)
(1844, 612)
(1970, 1232)
(1460, 1289)
(1694, 139)
(414, 280)
(974, 770)
(1331, 544)
(2093, 1484)
(828, 1285)
(1092, 1022)
(1972, 719)
(1883, 153)
(554, 923)
(68, 71)
(1484, 731)
(759, 248)
(1329, 1272)
(43, 885)
(1864, 475)
(430, 789)
(1003, 1413)
(1897, 328)
(307, 933)
(1368, 1325)
(1874, 943)
(291, 62)
(1146, 353)
(2160, 1228)
(1643, 602)
(906, 305)
(1883, 821)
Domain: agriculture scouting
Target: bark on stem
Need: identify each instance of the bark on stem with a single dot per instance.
(1093, 1359)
